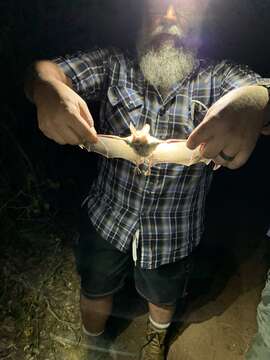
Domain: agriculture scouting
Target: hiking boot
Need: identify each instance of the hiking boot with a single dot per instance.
(154, 349)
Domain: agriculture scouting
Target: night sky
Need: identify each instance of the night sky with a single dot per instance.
(35, 29)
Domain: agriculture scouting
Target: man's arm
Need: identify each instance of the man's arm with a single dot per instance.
(232, 126)
(40, 73)
(229, 132)
(63, 115)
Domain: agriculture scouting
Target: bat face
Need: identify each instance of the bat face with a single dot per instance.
(143, 149)
(141, 141)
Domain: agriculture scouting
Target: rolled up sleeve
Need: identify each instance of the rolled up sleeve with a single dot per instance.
(235, 76)
(87, 71)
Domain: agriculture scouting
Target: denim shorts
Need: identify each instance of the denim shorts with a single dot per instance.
(103, 270)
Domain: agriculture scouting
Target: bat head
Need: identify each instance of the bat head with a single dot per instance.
(141, 141)
(140, 136)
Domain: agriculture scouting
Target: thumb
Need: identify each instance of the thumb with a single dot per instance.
(85, 113)
(86, 116)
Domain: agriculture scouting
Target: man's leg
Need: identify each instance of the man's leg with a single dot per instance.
(161, 314)
(162, 287)
(102, 269)
(95, 313)
(160, 317)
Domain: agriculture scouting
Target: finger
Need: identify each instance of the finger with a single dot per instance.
(219, 162)
(202, 133)
(70, 136)
(85, 113)
(240, 159)
(82, 128)
(89, 133)
(247, 146)
(212, 148)
(228, 153)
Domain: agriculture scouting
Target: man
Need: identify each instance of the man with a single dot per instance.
(157, 219)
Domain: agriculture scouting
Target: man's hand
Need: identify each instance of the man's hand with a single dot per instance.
(232, 126)
(63, 115)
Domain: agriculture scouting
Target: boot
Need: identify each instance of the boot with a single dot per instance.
(154, 348)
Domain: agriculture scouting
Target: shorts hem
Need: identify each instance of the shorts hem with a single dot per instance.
(155, 302)
(97, 296)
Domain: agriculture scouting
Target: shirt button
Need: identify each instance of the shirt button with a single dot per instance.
(161, 111)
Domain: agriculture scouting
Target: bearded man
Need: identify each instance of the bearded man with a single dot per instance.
(153, 222)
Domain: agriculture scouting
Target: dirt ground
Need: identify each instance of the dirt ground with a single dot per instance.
(40, 294)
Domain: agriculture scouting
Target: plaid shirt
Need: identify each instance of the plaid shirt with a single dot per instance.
(163, 214)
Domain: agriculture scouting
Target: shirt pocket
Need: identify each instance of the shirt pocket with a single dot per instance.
(123, 106)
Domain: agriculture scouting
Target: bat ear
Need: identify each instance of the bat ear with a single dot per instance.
(146, 129)
(132, 129)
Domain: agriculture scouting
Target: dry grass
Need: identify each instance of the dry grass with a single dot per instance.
(39, 295)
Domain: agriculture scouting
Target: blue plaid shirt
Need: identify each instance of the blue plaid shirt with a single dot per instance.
(164, 212)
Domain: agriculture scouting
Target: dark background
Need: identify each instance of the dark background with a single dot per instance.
(35, 29)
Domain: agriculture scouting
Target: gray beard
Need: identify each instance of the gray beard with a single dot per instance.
(166, 66)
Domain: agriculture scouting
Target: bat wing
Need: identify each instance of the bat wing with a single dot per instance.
(176, 151)
(114, 147)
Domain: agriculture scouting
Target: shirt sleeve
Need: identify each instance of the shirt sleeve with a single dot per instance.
(87, 71)
(235, 76)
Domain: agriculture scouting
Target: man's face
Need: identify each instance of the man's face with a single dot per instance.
(167, 44)
(171, 19)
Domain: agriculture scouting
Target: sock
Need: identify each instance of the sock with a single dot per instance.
(91, 334)
(157, 326)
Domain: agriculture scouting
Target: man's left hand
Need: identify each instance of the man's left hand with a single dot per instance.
(229, 132)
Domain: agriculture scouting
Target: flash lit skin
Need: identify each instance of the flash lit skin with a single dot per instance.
(183, 13)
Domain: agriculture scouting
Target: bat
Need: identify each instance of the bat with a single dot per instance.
(142, 148)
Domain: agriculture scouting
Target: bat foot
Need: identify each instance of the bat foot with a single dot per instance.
(137, 170)
(195, 158)
(149, 165)
(86, 146)
(147, 172)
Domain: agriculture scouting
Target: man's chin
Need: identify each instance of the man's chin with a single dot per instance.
(166, 66)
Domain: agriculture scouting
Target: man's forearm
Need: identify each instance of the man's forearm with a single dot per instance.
(258, 96)
(39, 75)
(251, 100)
(266, 123)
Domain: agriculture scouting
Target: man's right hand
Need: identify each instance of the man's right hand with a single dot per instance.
(63, 115)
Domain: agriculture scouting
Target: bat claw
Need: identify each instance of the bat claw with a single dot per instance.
(147, 172)
(86, 146)
(216, 167)
(137, 170)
